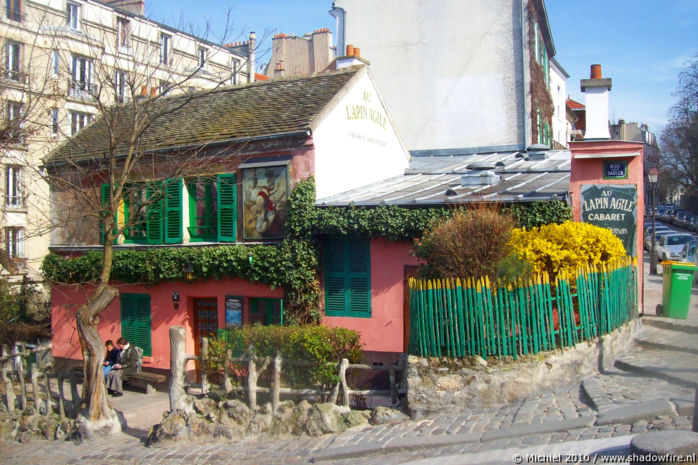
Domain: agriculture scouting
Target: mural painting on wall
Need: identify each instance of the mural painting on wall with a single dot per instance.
(265, 201)
(613, 207)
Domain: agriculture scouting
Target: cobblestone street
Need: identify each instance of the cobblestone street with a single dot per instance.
(654, 391)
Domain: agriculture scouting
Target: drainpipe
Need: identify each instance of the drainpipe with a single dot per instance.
(524, 116)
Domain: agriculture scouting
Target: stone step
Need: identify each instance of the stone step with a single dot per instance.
(684, 326)
(652, 337)
(677, 367)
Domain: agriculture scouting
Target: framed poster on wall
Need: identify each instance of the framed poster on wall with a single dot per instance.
(265, 201)
(233, 311)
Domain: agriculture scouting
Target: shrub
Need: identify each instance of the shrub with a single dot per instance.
(318, 345)
(555, 248)
(470, 244)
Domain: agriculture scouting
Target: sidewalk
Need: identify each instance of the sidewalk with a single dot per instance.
(651, 388)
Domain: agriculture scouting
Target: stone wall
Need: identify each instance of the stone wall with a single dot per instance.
(440, 384)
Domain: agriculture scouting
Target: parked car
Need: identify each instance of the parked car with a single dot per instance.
(689, 255)
(669, 246)
(660, 230)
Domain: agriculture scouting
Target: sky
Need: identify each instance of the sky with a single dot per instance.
(641, 44)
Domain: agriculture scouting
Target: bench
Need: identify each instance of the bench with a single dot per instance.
(148, 378)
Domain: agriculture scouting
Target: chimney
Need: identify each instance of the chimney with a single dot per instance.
(251, 45)
(134, 6)
(352, 58)
(596, 90)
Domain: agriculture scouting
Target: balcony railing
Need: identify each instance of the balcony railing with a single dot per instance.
(18, 202)
(81, 89)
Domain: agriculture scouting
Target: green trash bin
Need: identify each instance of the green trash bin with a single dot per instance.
(676, 290)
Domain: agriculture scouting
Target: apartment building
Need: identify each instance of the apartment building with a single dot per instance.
(63, 63)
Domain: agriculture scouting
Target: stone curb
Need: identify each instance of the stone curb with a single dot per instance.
(595, 393)
(684, 407)
(428, 442)
(539, 428)
(630, 413)
(672, 324)
(627, 366)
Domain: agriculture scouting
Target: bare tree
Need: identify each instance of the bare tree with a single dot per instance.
(680, 137)
(128, 84)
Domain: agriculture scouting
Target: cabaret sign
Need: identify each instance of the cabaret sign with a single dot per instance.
(612, 207)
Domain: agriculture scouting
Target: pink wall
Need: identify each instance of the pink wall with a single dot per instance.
(65, 301)
(590, 171)
(383, 331)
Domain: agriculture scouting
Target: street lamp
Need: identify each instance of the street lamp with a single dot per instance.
(652, 178)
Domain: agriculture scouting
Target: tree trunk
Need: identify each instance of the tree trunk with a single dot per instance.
(87, 318)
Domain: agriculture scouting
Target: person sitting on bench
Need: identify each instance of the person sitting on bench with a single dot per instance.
(124, 369)
(110, 359)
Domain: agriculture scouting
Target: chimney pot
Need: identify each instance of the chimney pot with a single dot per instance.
(596, 72)
(144, 90)
(357, 52)
(350, 50)
(153, 91)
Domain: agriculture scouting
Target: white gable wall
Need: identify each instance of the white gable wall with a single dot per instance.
(355, 141)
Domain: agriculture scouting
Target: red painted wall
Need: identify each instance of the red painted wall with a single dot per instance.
(383, 331)
(590, 171)
(65, 301)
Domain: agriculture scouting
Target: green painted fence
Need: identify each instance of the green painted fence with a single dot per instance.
(462, 317)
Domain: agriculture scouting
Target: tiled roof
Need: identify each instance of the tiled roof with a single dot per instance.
(258, 110)
(574, 105)
(492, 177)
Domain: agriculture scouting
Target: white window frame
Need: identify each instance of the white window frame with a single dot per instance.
(165, 47)
(73, 15)
(123, 31)
(78, 120)
(14, 242)
(13, 60)
(202, 57)
(120, 85)
(55, 63)
(55, 128)
(81, 73)
(14, 186)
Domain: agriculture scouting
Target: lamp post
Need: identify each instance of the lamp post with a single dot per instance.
(652, 178)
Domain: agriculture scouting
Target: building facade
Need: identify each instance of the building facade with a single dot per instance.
(298, 56)
(64, 63)
(561, 124)
(458, 77)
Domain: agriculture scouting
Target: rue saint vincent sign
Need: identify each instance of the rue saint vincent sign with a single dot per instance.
(613, 207)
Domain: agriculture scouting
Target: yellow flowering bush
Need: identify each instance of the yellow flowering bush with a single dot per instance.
(564, 247)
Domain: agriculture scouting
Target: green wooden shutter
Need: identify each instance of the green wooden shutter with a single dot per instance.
(106, 197)
(173, 211)
(348, 277)
(136, 321)
(359, 276)
(153, 213)
(226, 207)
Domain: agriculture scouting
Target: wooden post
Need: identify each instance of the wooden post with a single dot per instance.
(251, 379)
(177, 368)
(343, 379)
(47, 390)
(75, 397)
(276, 386)
(20, 375)
(34, 376)
(393, 387)
(9, 388)
(61, 407)
(227, 384)
(205, 385)
(695, 413)
(335, 392)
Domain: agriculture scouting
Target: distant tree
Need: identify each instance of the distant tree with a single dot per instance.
(680, 137)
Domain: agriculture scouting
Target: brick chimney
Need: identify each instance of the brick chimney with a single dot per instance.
(596, 90)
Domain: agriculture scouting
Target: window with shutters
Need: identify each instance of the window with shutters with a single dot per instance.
(347, 277)
(13, 10)
(135, 214)
(135, 321)
(213, 208)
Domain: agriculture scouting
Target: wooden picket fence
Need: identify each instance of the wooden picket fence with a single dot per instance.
(464, 317)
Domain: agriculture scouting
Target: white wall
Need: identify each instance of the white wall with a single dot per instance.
(446, 69)
(558, 92)
(355, 141)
